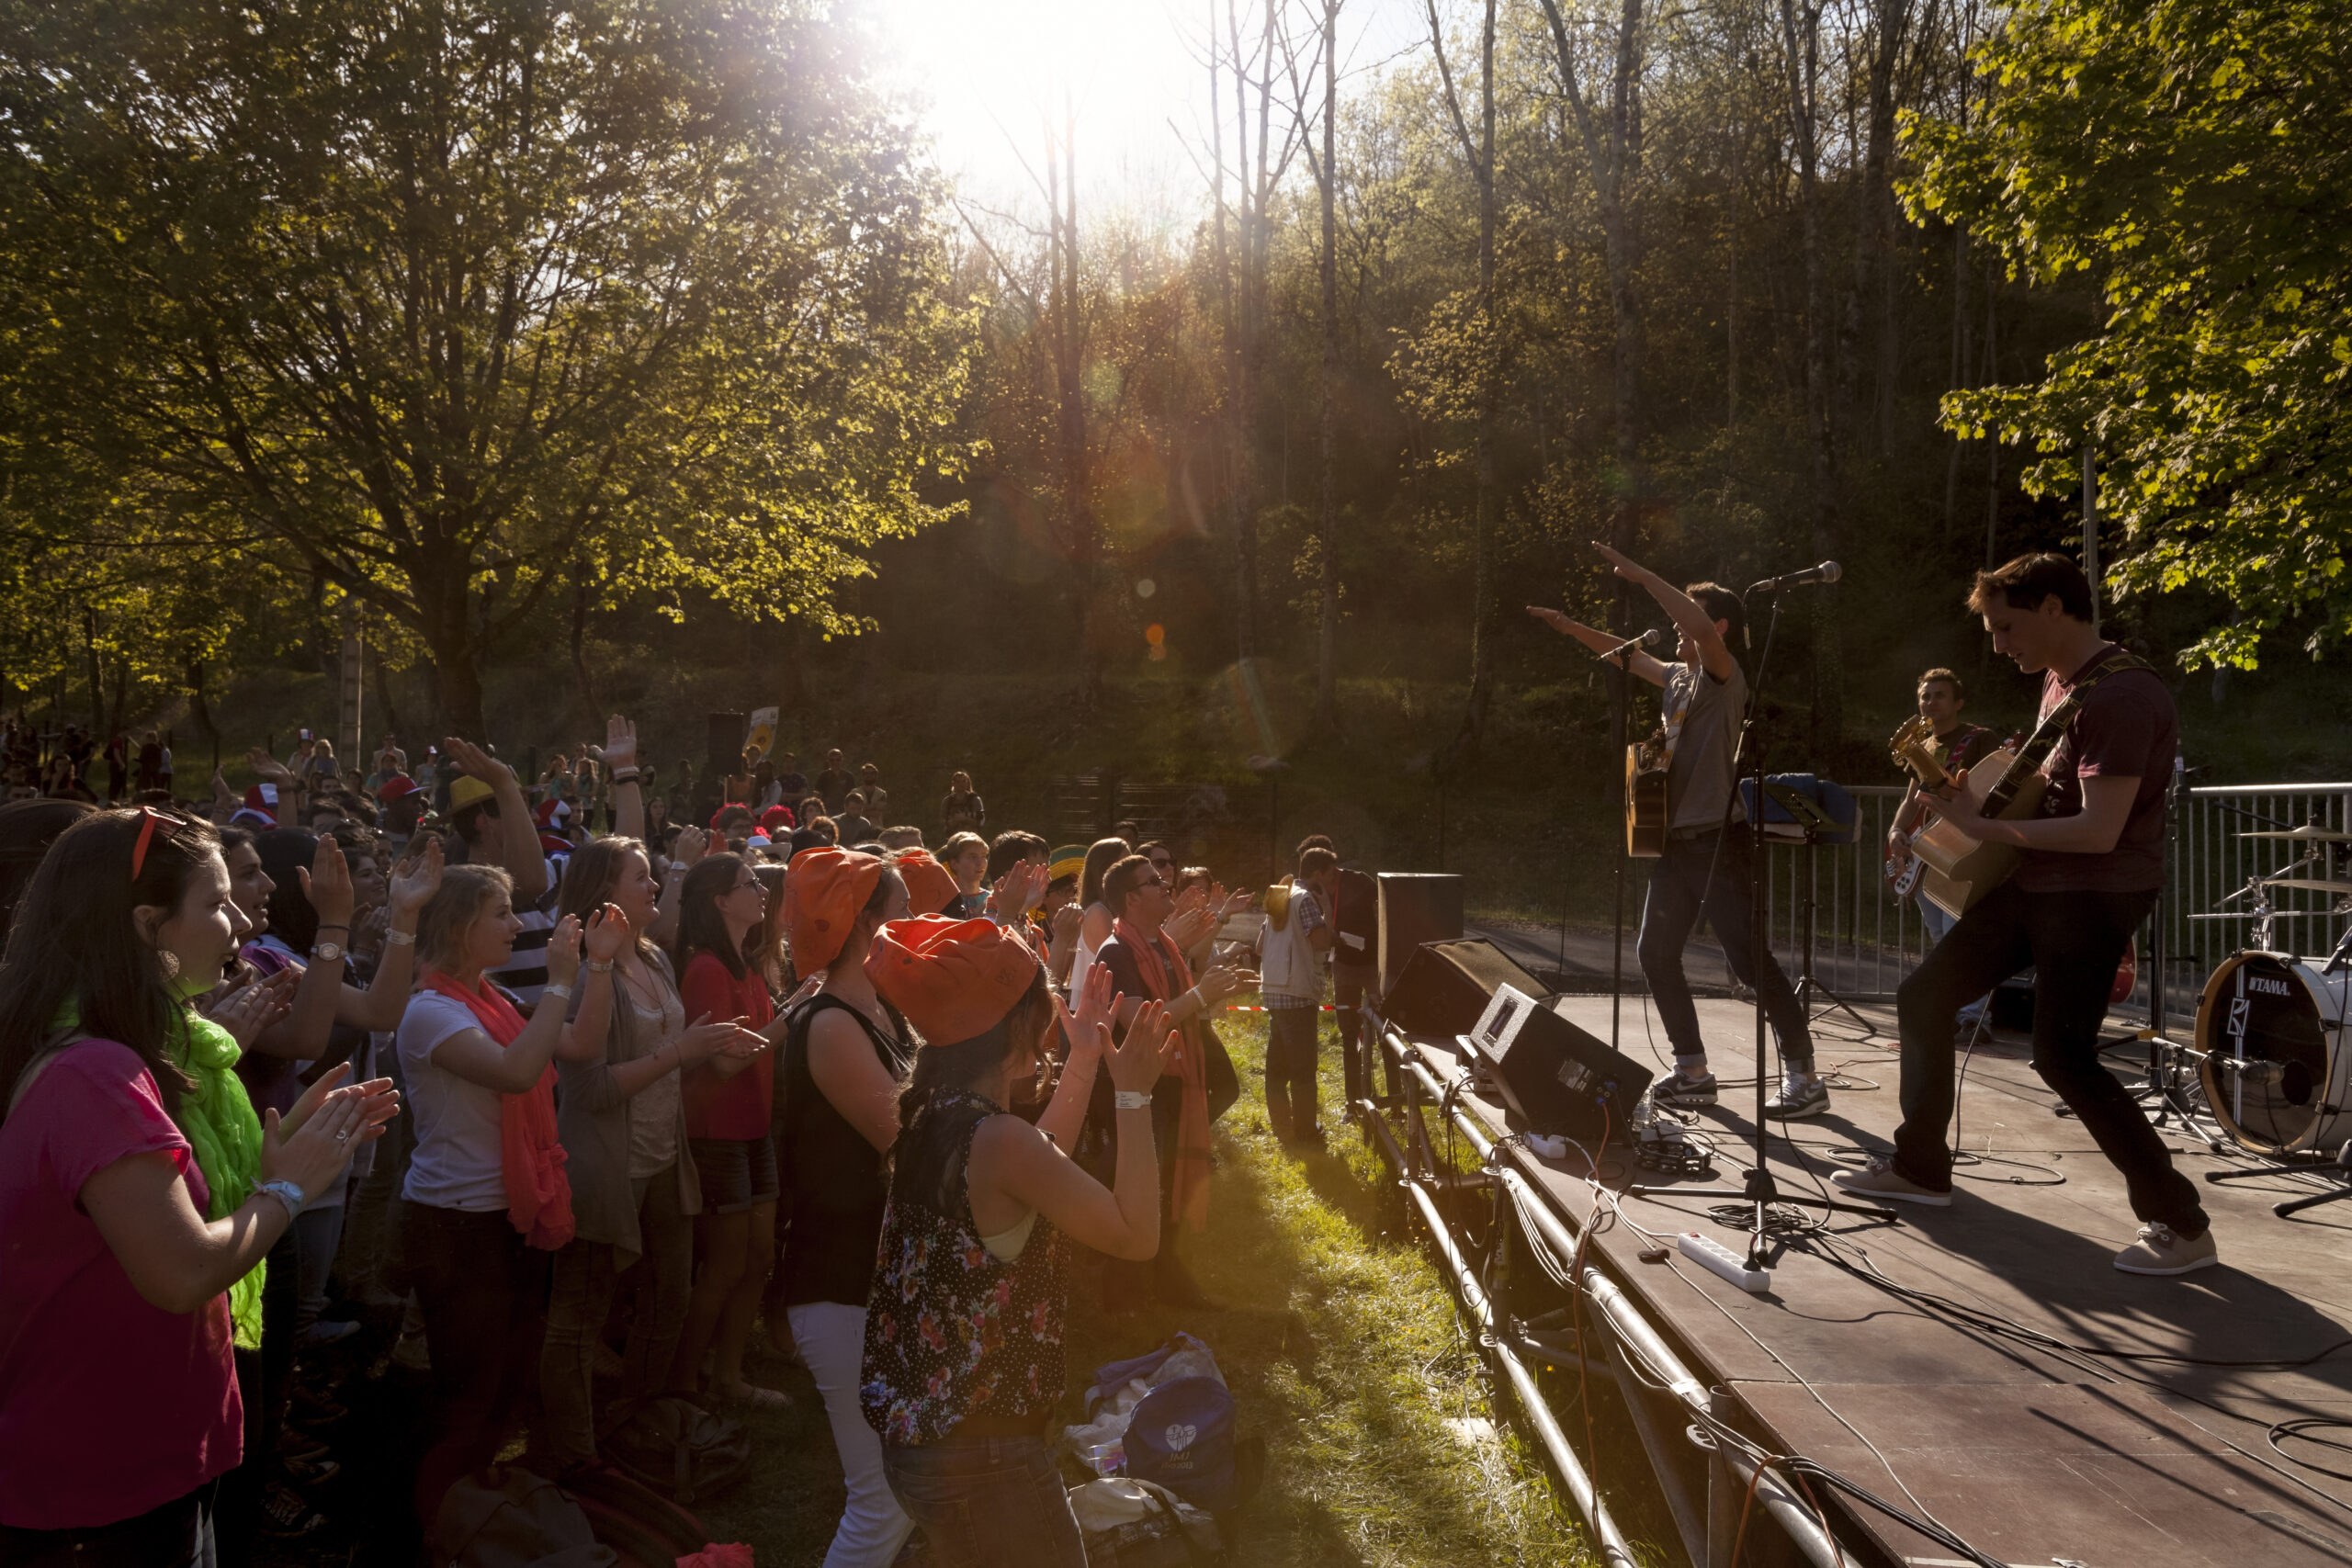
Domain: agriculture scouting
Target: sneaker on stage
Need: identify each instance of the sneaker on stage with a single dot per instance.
(1881, 1183)
(1798, 1098)
(1679, 1088)
(2164, 1250)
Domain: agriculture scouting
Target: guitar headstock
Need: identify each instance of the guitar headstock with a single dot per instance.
(1910, 749)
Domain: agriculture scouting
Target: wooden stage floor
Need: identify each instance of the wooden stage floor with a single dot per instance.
(2031, 1456)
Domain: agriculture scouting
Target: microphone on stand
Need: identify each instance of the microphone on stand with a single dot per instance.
(1828, 571)
(1647, 640)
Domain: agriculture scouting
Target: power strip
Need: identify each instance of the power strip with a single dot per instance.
(1717, 1258)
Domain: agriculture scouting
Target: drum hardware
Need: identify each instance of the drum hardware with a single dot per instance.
(2277, 1064)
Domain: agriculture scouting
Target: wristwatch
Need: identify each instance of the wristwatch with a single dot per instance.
(287, 1193)
(326, 952)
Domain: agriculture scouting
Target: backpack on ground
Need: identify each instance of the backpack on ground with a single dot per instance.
(1182, 1436)
(512, 1519)
(647, 1530)
(675, 1447)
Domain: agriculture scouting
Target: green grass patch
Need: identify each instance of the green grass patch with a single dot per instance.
(1342, 1347)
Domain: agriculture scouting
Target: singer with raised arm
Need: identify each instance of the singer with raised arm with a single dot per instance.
(1702, 868)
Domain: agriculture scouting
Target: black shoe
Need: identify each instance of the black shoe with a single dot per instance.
(287, 1516)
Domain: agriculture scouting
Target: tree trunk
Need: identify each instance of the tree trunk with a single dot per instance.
(1802, 42)
(1874, 219)
(393, 725)
(199, 708)
(583, 684)
(450, 638)
(1482, 615)
(1327, 704)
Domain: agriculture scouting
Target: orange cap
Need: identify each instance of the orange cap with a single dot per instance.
(824, 888)
(931, 887)
(953, 979)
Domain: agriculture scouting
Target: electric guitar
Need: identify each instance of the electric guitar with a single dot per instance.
(1645, 768)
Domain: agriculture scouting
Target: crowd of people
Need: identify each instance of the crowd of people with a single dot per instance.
(587, 1098)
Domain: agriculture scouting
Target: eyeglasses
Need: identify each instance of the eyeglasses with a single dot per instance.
(1150, 881)
(153, 825)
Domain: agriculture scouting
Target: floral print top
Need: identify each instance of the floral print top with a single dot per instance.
(950, 1330)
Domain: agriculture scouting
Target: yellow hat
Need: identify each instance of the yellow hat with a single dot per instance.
(467, 790)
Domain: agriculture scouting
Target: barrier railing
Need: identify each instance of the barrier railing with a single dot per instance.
(1866, 940)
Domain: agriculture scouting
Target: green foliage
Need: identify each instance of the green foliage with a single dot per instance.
(457, 303)
(2192, 159)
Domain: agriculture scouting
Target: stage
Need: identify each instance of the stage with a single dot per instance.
(2031, 1455)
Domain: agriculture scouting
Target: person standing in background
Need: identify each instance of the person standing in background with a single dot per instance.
(877, 799)
(834, 783)
(963, 812)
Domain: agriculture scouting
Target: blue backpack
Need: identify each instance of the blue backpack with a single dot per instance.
(1181, 1437)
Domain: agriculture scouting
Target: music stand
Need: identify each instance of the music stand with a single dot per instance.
(1809, 804)
(1757, 1188)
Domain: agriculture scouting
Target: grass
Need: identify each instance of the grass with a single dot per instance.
(1342, 1347)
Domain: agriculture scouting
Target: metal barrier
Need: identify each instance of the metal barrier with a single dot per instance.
(1866, 940)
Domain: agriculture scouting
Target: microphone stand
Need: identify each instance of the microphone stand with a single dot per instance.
(1757, 1188)
(1620, 660)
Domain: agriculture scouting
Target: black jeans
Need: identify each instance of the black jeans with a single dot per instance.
(1293, 1035)
(484, 1296)
(1350, 983)
(177, 1534)
(265, 1383)
(2073, 942)
(1679, 880)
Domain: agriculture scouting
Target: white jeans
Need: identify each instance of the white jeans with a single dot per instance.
(832, 1341)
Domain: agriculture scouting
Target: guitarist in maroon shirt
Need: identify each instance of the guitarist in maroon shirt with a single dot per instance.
(2092, 863)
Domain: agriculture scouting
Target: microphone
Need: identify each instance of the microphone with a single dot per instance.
(1828, 571)
(1647, 640)
(2255, 1072)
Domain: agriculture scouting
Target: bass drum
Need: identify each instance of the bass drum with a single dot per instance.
(2277, 1069)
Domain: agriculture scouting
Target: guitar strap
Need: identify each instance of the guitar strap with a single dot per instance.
(2047, 734)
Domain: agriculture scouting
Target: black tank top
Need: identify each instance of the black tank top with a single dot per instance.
(834, 1189)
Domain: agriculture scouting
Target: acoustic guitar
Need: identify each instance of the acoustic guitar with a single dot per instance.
(1645, 768)
(1953, 870)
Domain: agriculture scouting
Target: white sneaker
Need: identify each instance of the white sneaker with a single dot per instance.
(1881, 1183)
(2162, 1250)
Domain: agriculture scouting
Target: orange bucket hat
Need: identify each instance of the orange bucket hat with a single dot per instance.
(952, 980)
(824, 888)
(931, 887)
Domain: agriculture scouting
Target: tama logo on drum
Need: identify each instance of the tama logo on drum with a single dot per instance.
(2268, 986)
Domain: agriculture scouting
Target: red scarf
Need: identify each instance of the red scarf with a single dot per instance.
(539, 1195)
(1166, 978)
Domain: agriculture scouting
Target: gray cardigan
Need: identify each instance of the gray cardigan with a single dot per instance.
(592, 1118)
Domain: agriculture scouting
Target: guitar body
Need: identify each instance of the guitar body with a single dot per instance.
(1956, 871)
(1645, 802)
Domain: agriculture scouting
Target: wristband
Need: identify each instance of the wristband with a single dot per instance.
(596, 968)
(624, 775)
(395, 937)
(1132, 1099)
(560, 993)
(332, 926)
(287, 1193)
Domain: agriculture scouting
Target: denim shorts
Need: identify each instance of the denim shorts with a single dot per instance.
(738, 1174)
(987, 1503)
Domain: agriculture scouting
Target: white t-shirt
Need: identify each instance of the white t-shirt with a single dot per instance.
(457, 1164)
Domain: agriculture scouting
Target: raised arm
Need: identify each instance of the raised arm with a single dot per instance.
(619, 757)
(518, 833)
(1074, 1090)
(512, 1069)
(1600, 641)
(1123, 1220)
(1688, 613)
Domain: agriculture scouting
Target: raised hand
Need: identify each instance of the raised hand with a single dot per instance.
(1137, 1062)
(417, 878)
(619, 750)
(563, 951)
(472, 761)
(326, 883)
(1067, 921)
(1016, 891)
(608, 934)
(268, 768)
(692, 844)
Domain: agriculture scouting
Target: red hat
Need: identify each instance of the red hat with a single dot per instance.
(823, 892)
(931, 887)
(396, 787)
(261, 805)
(775, 817)
(953, 979)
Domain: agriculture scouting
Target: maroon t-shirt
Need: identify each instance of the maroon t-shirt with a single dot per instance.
(2127, 728)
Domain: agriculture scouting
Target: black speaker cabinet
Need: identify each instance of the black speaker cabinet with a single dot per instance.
(1557, 1077)
(1445, 987)
(723, 743)
(1415, 907)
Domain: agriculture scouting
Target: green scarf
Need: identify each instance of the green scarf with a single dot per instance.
(217, 1117)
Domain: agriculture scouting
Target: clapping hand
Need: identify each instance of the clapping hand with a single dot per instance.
(417, 877)
(1016, 893)
(1138, 1062)
(326, 883)
(692, 844)
(608, 934)
(247, 1005)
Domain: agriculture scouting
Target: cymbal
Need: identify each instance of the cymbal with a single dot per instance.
(2304, 834)
(2313, 883)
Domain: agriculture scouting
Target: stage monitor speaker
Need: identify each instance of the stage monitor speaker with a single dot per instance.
(1415, 907)
(723, 744)
(1555, 1076)
(1446, 987)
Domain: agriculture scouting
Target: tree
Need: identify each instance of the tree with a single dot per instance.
(454, 301)
(2192, 161)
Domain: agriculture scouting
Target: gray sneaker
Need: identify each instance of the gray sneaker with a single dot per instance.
(1676, 1088)
(1881, 1183)
(2164, 1250)
(1798, 1099)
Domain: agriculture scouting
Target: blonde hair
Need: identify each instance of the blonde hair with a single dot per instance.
(465, 892)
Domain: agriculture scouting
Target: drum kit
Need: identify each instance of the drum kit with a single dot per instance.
(2272, 1052)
